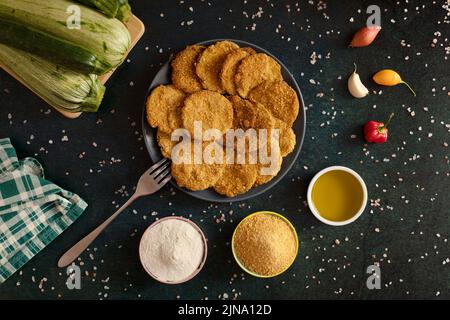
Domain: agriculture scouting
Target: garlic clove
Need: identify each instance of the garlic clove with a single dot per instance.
(356, 88)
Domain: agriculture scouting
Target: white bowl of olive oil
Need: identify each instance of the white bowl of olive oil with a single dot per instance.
(337, 195)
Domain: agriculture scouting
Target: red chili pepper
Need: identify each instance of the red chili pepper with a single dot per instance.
(377, 132)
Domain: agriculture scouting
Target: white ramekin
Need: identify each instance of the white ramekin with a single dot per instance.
(313, 208)
(205, 251)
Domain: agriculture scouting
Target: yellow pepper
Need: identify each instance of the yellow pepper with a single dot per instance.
(388, 77)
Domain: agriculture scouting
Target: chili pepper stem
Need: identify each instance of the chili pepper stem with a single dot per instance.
(381, 129)
(409, 87)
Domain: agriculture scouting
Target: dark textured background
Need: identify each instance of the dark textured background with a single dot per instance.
(405, 227)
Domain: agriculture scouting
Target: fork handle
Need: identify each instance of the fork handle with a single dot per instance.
(74, 252)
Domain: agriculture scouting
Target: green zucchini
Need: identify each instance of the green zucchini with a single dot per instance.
(60, 87)
(108, 7)
(124, 13)
(41, 27)
(119, 9)
(61, 51)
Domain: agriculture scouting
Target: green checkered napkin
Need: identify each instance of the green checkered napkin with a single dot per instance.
(33, 211)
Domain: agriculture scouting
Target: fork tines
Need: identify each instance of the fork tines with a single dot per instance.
(160, 171)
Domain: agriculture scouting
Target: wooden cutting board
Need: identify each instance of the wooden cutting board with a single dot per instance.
(135, 27)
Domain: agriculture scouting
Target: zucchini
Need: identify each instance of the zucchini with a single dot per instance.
(61, 51)
(124, 13)
(108, 7)
(60, 87)
(119, 9)
(40, 27)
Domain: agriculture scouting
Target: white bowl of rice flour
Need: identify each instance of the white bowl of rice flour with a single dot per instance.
(173, 250)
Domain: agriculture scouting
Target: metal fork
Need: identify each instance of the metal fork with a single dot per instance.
(150, 182)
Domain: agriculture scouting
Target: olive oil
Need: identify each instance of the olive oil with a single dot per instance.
(337, 195)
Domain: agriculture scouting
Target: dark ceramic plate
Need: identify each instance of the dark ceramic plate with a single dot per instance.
(163, 77)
